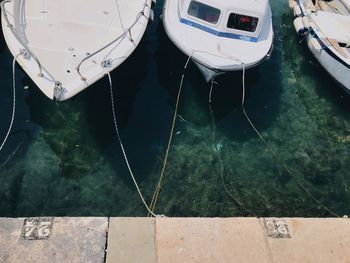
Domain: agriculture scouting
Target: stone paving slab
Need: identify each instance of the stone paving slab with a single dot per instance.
(313, 240)
(72, 240)
(211, 240)
(131, 240)
(175, 240)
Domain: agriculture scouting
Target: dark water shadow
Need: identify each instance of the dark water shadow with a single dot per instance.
(126, 88)
(2, 39)
(81, 129)
(22, 131)
(263, 86)
(126, 85)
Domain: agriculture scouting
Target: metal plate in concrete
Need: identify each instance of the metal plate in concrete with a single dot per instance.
(276, 228)
(72, 240)
(36, 228)
(313, 240)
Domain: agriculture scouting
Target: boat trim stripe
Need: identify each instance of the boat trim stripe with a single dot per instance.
(327, 49)
(323, 45)
(217, 33)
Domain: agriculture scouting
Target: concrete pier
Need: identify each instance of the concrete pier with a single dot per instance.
(175, 240)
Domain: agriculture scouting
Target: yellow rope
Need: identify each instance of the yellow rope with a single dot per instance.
(159, 185)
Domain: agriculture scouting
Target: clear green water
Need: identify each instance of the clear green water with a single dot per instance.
(64, 159)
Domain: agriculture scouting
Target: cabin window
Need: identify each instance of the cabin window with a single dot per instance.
(242, 22)
(204, 12)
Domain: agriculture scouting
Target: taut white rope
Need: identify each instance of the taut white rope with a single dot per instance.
(123, 150)
(13, 103)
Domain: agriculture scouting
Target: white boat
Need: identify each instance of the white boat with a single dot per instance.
(326, 27)
(65, 46)
(220, 35)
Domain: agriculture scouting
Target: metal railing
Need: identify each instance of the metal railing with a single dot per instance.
(120, 37)
(18, 38)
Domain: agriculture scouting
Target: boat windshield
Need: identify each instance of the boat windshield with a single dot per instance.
(242, 22)
(204, 12)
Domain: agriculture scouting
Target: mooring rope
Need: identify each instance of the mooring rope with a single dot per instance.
(13, 102)
(211, 112)
(9, 158)
(275, 155)
(217, 151)
(159, 184)
(122, 147)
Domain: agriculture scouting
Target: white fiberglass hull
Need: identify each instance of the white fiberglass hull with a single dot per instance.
(338, 70)
(65, 46)
(328, 35)
(215, 54)
(207, 72)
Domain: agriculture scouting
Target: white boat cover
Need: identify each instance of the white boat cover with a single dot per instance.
(333, 26)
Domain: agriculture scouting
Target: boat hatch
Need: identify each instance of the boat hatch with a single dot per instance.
(229, 22)
(204, 12)
(242, 22)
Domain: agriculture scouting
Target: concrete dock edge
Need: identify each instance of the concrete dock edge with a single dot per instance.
(114, 240)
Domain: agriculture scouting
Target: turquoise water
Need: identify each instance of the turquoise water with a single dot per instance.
(64, 158)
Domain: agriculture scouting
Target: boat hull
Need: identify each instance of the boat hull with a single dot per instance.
(337, 69)
(65, 50)
(215, 52)
(326, 50)
(211, 73)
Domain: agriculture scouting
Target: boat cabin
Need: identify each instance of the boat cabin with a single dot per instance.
(227, 18)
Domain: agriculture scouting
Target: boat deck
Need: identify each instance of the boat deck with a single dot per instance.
(62, 34)
(334, 6)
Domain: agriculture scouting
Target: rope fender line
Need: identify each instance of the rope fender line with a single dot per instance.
(275, 155)
(165, 161)
(123, 149)
(13, 102)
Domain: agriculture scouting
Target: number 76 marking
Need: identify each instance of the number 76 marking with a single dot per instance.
(37, 228)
